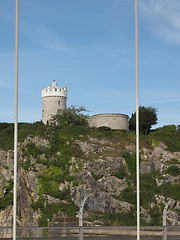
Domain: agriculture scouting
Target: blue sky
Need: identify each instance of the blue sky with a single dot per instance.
(89, 47)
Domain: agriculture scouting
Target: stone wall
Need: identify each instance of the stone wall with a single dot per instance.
(114, 121)
(51, 106)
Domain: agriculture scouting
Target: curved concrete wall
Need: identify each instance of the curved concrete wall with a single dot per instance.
(114, 121)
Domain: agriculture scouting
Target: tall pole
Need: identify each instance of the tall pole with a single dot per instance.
(137, 122)
(16, 121)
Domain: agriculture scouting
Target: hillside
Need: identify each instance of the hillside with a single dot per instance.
(59, 165)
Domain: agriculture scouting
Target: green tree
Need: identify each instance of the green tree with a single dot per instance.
(147, 118)
(72, 115)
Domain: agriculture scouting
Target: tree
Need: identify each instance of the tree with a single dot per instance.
(72, 115)
(147, 118)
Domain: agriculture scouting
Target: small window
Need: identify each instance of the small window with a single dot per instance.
(58, 102)
(55, 89)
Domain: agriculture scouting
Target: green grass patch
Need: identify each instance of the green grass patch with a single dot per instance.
(60, 209)
(119, 219)
(170, 190)
(130, 161)
(7, 199)
(120, 173)
(170, 135)
(173, 170)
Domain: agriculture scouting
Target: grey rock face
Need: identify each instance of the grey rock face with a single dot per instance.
(94, 174)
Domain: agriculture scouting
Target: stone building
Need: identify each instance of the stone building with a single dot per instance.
(53, 101)
(112, 120)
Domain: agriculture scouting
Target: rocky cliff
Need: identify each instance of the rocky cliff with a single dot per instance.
(59, 166)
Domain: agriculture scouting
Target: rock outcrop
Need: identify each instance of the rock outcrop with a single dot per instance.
(94, 175)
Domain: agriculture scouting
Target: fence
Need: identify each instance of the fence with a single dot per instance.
(97, 231)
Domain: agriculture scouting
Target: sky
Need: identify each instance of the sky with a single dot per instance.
(89, 47)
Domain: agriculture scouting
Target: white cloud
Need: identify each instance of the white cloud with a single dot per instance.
(48, 38)
(162, 101)
(152, 102)
(164, 15)
(6, 85)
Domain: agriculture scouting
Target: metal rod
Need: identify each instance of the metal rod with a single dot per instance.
(81, 218)
(16, 121)
(137, 122)
(164, 237)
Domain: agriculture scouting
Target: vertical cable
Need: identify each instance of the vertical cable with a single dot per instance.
(137, 122)
(16, 121)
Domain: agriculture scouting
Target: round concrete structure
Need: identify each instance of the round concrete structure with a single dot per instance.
(112, 120)
(53, 101)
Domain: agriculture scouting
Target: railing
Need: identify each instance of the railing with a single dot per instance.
(93, 231)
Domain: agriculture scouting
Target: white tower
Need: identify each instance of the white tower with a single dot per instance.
(53, 101)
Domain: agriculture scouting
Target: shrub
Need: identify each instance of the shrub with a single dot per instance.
(121, 173)
(6, 136)
(130, 160)
(7, 199)
(156, 216)
(128, 195)
(39, 204)
(147, 118)
(49, 210)
(104, 128)
(72, 116)
(96, 176)
(174, 170)
(170, 135)
(122, 218)
(148, 188)
(170, 190)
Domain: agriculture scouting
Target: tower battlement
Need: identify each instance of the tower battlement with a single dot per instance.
(54, 91)
(53, 101)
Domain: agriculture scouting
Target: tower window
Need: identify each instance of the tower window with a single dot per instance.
(55, 89)
(58, 102)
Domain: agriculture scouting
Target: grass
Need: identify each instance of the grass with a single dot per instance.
(60, 209)
(57, 162)
(120, 173)
(170, 135)
(7, 199)
(119, 219)
(130, 159)
(173, 170)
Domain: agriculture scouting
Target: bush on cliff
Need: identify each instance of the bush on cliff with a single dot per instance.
(147, 118)
(72, 116)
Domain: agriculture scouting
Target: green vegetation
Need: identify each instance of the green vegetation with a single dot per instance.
(173, 170)
(97, 176)
(24, 130)
(72, 116)
(148, 189)
(170, 135)
(7, 199)
(63, 145)
(170, 190)
(174, 161)
(57, 208)
(128, 195)
(130, 161)
(121, 173)
(147, 118)
(6, 136)
(39, 204)
(121, 218)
